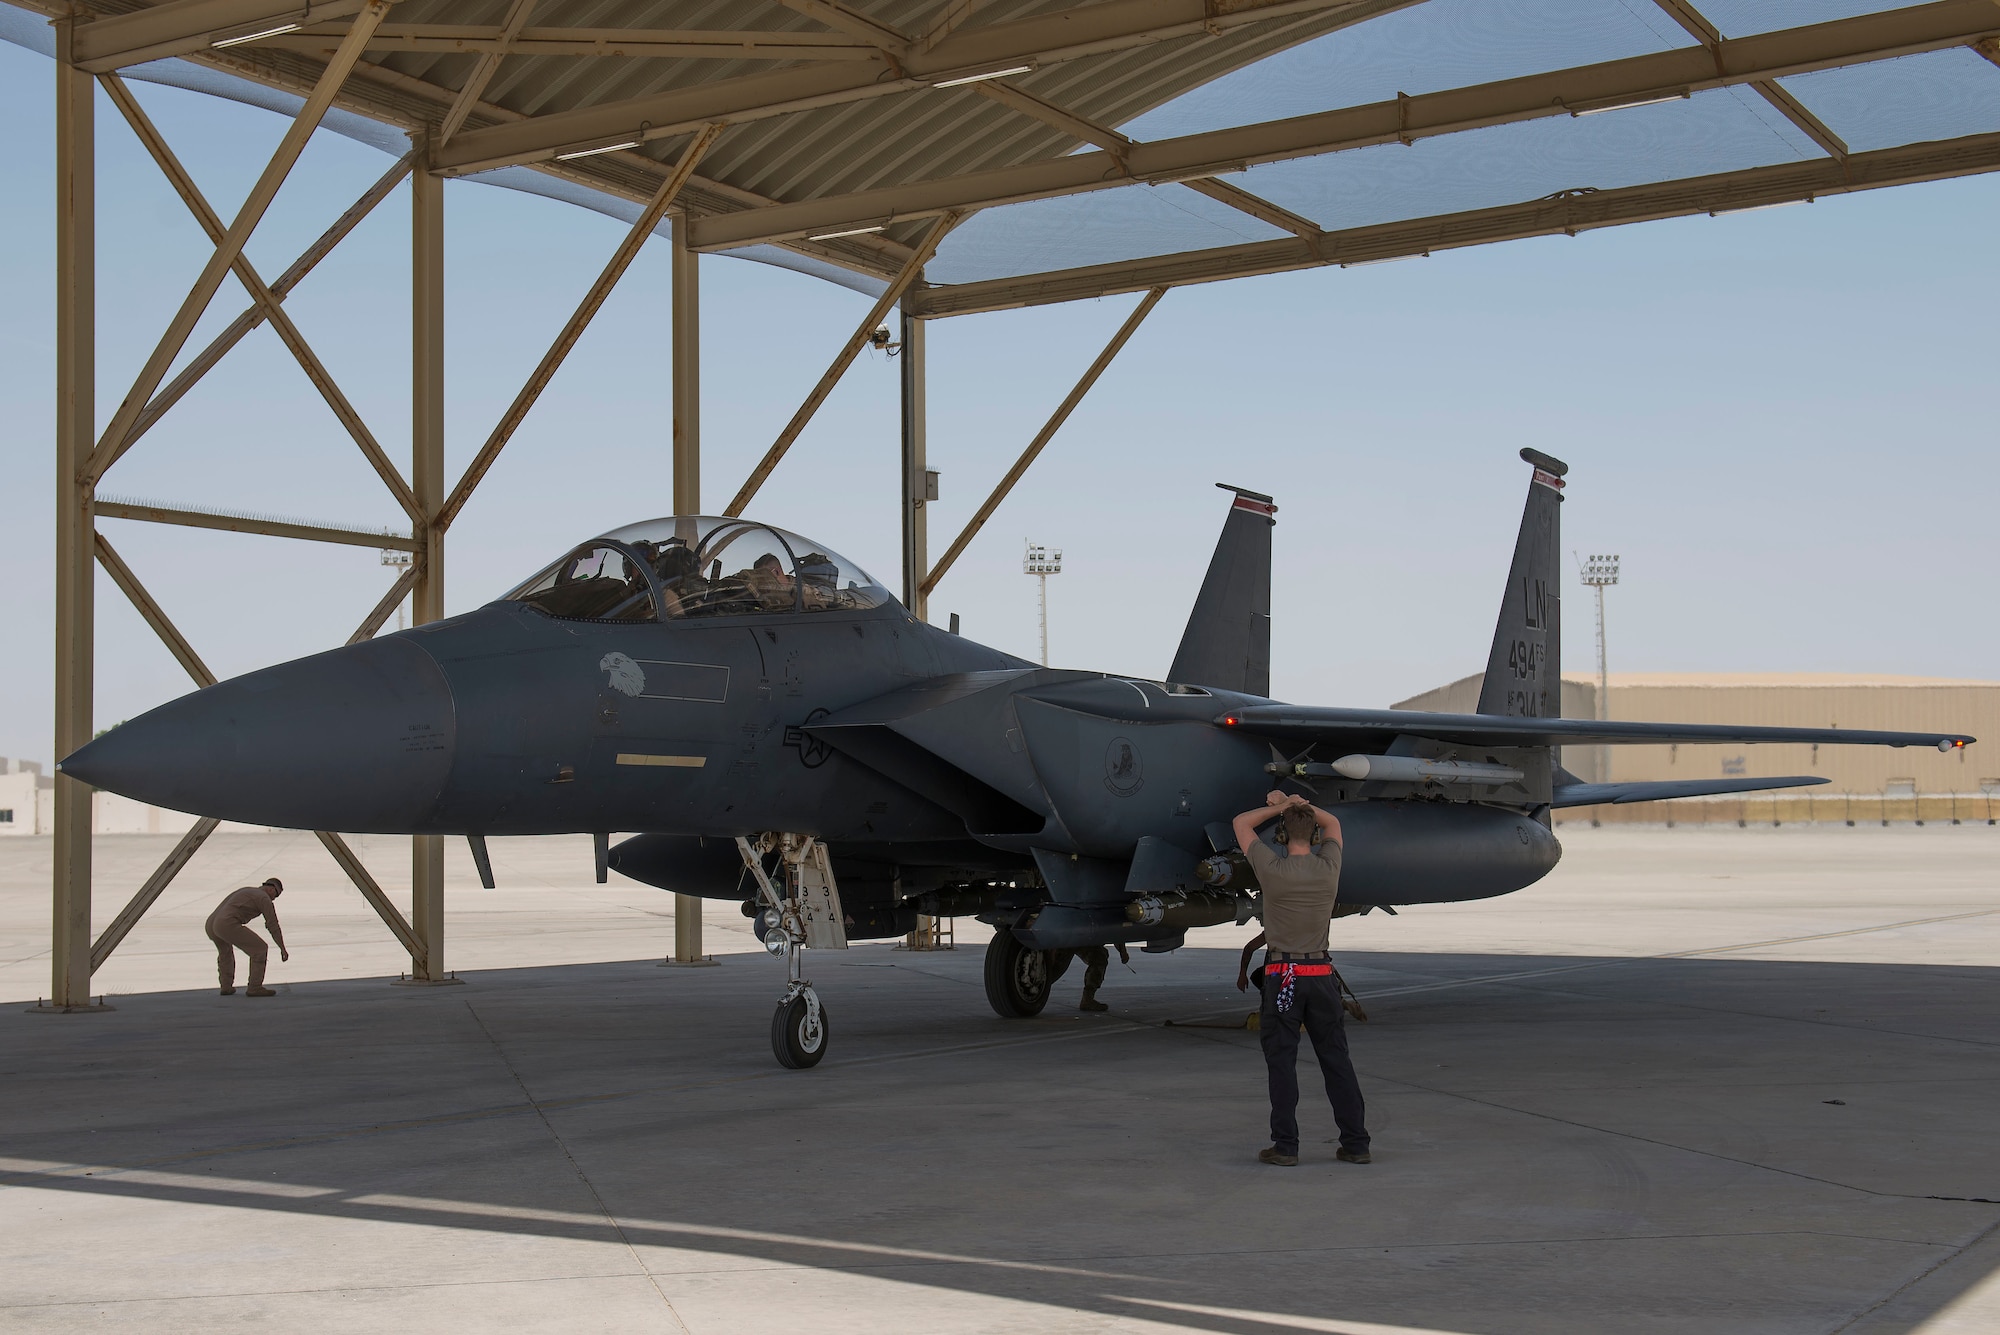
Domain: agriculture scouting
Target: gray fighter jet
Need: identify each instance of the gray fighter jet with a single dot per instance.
(785, 735)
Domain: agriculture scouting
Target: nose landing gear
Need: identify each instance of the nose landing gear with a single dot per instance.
(799, 1028)
(806, 916)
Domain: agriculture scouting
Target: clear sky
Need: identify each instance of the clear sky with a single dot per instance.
(1781, 420)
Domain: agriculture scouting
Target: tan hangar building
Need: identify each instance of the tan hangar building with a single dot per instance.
(1804, 699)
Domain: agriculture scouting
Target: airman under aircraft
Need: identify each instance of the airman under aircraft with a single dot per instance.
(783, 733)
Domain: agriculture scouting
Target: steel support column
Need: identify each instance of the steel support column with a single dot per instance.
(76, 557)
(685, 272)
(686, 319)
(916, 523)
(916, 530)
(427, 481)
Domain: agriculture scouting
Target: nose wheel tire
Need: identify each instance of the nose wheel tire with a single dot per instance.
(1018, 979)
(799, 1033)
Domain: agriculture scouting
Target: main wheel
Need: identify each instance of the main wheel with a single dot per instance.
(795, 1038)
(1017, 979)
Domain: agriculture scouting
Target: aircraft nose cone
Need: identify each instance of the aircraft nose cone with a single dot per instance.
(358, 739)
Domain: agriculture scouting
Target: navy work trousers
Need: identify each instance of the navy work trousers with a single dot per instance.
(1316, 1009)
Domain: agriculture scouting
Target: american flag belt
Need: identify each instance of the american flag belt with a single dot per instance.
(1286, 971)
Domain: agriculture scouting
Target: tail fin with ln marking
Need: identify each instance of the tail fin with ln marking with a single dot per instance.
(1227, 644)
(1524, 667)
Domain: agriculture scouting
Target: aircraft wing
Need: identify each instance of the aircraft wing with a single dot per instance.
(1365, 727)
(1596, 794)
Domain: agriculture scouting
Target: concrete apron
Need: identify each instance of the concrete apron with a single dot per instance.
(1598, 1105)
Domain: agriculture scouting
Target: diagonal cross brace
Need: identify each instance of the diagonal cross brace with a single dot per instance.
(177, 643)
(397, 592)
(113, 442)
(844, 359)
(205, 361)
(371, 891)
(586, 310)
(156, 885)
(309, 362)
(1043, 437)
(483, 71)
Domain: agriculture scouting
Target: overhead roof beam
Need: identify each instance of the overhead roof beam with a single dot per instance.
(1588, 88)
(483, 69)
(842, 19)
(1697, 26)
(1016, 99)
(182, 26)
(1110, 25)
(636, 42)
(1568, 212)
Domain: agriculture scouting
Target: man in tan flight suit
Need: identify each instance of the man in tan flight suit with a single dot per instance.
(229, 928)
(1300, 886)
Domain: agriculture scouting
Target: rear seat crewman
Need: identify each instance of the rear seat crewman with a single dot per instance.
(229, 928)
(1300, 886)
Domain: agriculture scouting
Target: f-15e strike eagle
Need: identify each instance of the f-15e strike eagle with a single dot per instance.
(783, 733)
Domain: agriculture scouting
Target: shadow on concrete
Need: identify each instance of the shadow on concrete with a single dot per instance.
(1562, 1142)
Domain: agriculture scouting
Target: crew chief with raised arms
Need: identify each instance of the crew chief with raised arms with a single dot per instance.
(1300, 886)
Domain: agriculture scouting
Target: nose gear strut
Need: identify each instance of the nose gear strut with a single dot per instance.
(806, 915)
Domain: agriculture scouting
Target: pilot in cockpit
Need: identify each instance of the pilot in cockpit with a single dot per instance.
(819, 581)
(770, 584)
(681, 584)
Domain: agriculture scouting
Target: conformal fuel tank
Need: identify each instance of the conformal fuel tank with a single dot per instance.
(1435, 852)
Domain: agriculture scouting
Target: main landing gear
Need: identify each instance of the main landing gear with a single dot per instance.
(1019, 980)
(807, 915)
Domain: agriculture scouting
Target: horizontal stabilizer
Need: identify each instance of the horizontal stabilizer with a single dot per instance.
(1361, 727)
(1600, 794)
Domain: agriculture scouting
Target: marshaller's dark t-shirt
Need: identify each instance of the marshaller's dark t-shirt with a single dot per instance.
(1299, 895)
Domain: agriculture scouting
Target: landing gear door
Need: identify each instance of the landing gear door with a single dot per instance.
(819, 901)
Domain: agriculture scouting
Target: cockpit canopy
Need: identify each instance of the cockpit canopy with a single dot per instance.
(698, 566)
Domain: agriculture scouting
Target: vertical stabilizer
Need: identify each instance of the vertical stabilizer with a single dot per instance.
(1524, 669)
(1227, 644)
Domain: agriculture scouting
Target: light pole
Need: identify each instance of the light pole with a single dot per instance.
(1600, 573)
(394, 557)
(1042, 562)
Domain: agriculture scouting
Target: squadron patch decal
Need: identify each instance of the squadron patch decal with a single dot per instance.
(1122, 772)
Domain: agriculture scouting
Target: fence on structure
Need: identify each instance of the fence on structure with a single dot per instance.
(1794, 808)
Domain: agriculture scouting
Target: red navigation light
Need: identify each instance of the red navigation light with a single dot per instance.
(1230, 720)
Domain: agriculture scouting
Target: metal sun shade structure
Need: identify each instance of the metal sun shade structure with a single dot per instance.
(949, 157)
